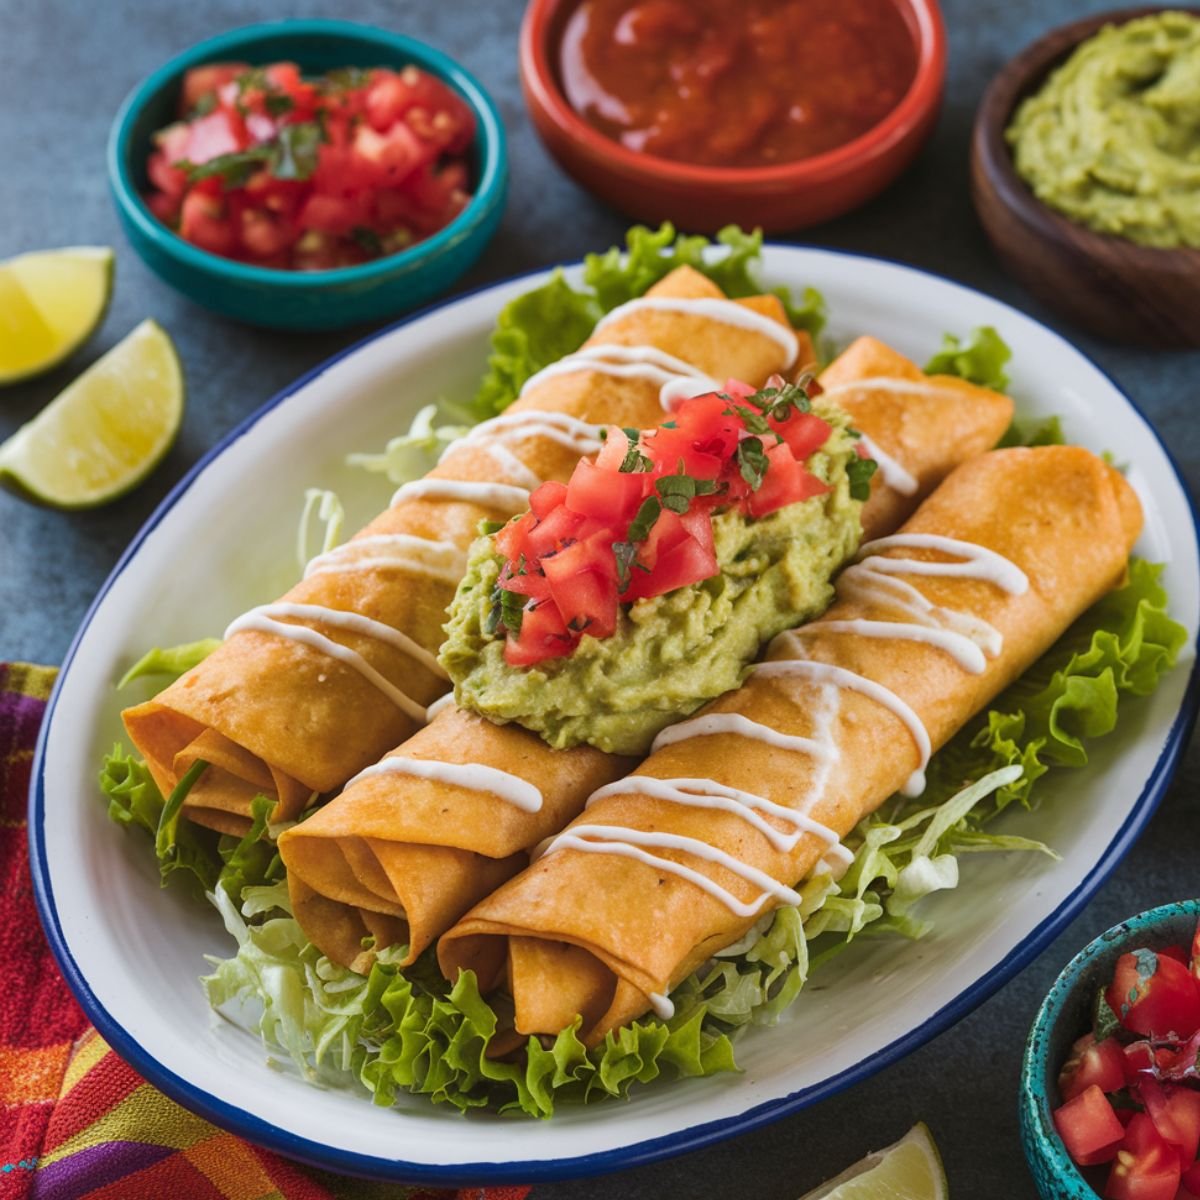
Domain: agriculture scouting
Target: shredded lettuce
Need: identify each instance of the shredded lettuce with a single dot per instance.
(979, 358)
(172, 660)
(409, 1031)
(322, 505)
(411, 454)
(553, 320)
(196, 859)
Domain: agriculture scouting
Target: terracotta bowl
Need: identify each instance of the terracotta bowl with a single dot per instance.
(785, 197)
(1109, 286)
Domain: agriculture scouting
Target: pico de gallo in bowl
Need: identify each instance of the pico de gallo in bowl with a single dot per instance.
(1122, 1070)
(309, 174)
(299, 172)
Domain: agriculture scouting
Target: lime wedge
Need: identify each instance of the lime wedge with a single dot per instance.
(50, 303)
(105, 432)
(909, 1170)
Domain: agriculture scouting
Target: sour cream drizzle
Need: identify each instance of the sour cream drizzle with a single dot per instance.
(505, 497)
(978, 561)
(716, 723)
(627, 843)
(264, 620)
(898, 386)
(890, 471)
(436, 707)
(707, 793)
(727, 312)
(404, 551)
(475, 777)
(677, 379)
(580, 437)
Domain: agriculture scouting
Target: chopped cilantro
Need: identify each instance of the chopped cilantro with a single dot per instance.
(859, 472)
(296, 150)
(231, 169)
(292, 155)
(203, 106)
(634, 461)
(752, 462)
(367, 239)
(677, 491)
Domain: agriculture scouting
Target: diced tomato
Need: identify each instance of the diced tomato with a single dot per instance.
(1089, 1127)
(665, 534)
(586, 602)
(220, 132)
(547, 497)
(544, 635)
(334, 215)
(286, 78)
(264, 234)
(1196, 952)
(1175, 1112)
(1154, 995)
(1092, 1062)
(1191, 1178)
(207, 81)
(1145, 1167)
(1177, 952)
(394, 155)
(550, 533)
(613, 451)
(170, 180)
(804, 433)
(1139, 1060)
(786, 482)
(612, 495)
(684, 564)
(204, 220)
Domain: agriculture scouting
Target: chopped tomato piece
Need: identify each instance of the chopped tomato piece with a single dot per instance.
(1177, 952)
(1092, 1062)
(547, 498)
(595, 492)
(1145, 1166)
(805, 433)
(1089, 1127)
(786, 482)
(204, 220)
(207, 80)
(220, 132)
(544, 634)
(1175, 1112)
(1152, 994)
(1191, 1178)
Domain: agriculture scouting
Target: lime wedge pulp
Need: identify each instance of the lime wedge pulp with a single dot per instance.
(106, 431)
(50, 303)
(911, 1169)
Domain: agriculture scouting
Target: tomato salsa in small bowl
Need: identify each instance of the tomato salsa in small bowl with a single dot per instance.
(778, 113)
(309, 174)
(1110, 1084)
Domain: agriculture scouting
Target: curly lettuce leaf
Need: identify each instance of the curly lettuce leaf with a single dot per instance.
(188, 855)
(411, 454)
(979, 358)
(407, 1031)
(551, 321)
(171, 660)
(325, 509)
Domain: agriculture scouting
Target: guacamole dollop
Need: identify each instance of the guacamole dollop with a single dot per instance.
(1112, 140)
(670, 653)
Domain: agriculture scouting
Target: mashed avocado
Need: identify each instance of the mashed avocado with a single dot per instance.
(670, 653)
(1113, 138)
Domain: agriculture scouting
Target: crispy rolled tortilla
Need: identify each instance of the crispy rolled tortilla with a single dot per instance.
(383, 860)
(291, 714)
(639, 891)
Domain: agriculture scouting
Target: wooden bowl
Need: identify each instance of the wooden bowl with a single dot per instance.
(1112, 287)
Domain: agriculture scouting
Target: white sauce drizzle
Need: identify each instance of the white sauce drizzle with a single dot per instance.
(662, 1005)
(717, 723)
(503, 496)
(707, 793)
(677, 379)
(727, 312)
(979, 562)
(475, 777)
(841, 677)
(627, 843)
(580, 437)
(964, 651)
(890, 471)
(889, 383)
(423, 556)
(263, 620)
(436, 707)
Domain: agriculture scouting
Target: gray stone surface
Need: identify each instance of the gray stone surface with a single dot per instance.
(65, 67)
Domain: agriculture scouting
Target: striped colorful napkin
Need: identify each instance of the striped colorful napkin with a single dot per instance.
(77, 1121)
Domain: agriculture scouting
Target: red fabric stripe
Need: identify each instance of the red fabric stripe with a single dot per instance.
(101, 1089)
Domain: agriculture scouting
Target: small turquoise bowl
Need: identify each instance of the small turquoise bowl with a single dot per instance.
(307, 299)
(1065, 1015)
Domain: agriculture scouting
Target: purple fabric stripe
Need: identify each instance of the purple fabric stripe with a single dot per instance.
(98, 1166)
(20, 719)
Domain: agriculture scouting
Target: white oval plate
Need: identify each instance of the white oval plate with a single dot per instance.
(223, 541)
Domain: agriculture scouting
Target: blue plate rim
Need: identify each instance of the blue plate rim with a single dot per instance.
(245, 1124)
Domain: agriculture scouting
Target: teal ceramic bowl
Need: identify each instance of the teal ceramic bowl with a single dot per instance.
(307, 299)
(1065, 1015)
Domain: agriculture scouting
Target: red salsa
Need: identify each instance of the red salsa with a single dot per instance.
(752, 84)
(1131, 1087)
(275, 168)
